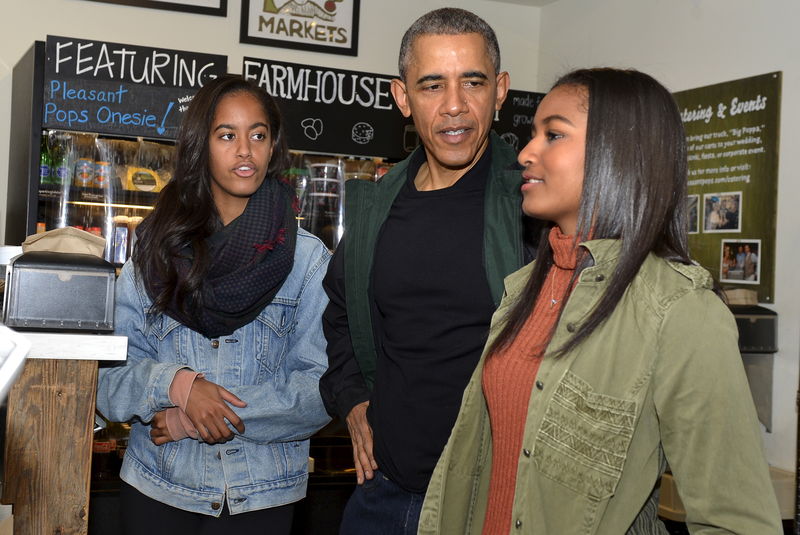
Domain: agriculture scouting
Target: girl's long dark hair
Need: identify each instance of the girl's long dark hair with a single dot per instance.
(634, 189)
(185, 214)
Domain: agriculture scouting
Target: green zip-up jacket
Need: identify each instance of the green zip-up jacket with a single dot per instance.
(660, 380)
(367, 206)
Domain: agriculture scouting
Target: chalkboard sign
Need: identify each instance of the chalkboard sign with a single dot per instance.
(335, 111)
(120, 89)
(513, 122)
(349, 112)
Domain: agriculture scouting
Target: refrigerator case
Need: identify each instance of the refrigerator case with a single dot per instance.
(60, 178)
(319, 182)
(98, 175)
(102, 185)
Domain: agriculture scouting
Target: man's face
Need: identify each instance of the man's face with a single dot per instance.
(452, 92)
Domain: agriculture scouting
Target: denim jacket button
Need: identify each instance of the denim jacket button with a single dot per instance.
(216, 505)
(600, 278)
(215, 344)
(571, 327)
(539, 385)
(218, 456)
(526, 452)
(518, 524)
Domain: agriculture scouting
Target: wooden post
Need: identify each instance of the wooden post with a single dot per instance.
(48, 450)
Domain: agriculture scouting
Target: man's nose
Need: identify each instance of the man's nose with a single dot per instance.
(455, 101)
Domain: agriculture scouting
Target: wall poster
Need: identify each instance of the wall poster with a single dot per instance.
(732, 133)
(318, 26)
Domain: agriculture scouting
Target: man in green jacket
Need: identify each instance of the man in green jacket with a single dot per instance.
(414, 283)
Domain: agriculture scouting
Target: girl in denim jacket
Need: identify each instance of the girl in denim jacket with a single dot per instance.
(221, 303)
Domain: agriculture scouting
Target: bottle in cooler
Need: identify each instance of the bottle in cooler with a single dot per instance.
(44, 160)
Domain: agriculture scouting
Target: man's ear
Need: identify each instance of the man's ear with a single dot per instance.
(401, 96)
(503, 82)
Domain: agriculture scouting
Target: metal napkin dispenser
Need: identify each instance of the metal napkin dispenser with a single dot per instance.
(758, 328)
(758, 342)
(59, 292)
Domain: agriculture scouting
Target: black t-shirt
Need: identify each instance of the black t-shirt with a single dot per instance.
(432, 307)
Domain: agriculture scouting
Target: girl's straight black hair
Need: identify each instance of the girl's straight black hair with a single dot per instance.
(634, 189)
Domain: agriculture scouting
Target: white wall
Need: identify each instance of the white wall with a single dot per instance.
(382, 24)
(688, 44)
(684, 43)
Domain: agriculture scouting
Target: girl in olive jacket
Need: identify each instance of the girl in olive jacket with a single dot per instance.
(610, 357)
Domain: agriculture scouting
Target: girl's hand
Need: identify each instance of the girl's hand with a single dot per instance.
(159, 433)
(208, 409)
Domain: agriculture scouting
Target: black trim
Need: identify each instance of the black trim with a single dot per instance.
(221, 11)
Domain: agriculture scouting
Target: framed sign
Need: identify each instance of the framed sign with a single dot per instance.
(316, 25)
(732, 141)
(203, 7)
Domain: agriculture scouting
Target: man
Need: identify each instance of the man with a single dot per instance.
(740, 255)
(415, 281)
(750, 264)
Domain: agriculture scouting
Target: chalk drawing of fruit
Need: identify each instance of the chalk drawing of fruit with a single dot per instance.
(312, 127)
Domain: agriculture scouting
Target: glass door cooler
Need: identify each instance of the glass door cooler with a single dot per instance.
(93, 128)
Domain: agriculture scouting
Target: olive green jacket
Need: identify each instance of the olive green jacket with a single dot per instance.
(660, 380)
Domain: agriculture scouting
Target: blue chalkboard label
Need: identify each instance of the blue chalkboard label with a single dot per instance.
(121, 89)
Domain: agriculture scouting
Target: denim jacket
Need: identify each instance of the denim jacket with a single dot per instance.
(274, 364)
(661, 379)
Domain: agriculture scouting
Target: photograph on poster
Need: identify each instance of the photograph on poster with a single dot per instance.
(722, 212)
(739, 261)
(693, 211)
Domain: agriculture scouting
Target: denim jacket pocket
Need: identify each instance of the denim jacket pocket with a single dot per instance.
(167, 332)
(584, 437)
(274, 324)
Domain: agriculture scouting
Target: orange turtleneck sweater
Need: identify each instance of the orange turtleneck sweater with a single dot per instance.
(508, 378)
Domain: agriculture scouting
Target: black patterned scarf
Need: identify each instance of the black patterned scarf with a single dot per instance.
(250, 259)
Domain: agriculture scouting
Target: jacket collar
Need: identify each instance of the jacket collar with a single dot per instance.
(505, 169)
(605, 251)
(509, 174)
(605, 254)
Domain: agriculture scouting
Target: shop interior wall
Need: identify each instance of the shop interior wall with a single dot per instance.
(684, 43)
(693, 43)
(382, 24)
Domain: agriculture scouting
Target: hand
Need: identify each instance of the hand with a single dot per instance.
(361, 436)
(208, 409)
(159, 433)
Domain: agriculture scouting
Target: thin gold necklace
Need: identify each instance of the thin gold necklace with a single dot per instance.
(553, 300)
